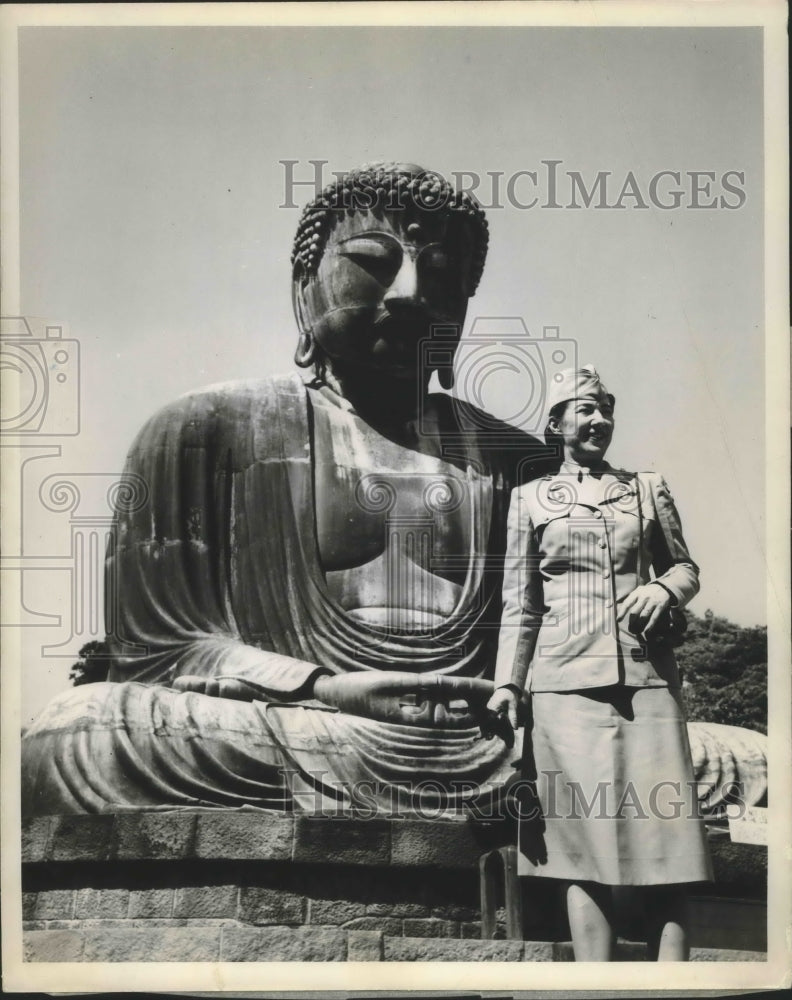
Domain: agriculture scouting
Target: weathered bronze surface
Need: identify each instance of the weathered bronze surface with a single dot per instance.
(308, 603)
(304, 612)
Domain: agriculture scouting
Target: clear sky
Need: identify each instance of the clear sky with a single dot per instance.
(151, 227)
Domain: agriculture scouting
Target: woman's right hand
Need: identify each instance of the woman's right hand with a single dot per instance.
(504, 702)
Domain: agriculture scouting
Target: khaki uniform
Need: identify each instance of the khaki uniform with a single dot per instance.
(579, 542)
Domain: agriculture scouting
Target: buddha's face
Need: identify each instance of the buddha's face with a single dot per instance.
(381, 286)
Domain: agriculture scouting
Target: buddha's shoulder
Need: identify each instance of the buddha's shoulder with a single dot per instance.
(520, 453)
(225, 408)
(230, 399)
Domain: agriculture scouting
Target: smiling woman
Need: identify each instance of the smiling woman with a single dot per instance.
(585, 630)
(585, 425)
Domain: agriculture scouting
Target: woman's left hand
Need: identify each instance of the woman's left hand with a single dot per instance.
(648, 604)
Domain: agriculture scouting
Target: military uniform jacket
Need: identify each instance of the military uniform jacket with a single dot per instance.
(579, 542)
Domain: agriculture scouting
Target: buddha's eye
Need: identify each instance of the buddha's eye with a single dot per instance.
(379, 256)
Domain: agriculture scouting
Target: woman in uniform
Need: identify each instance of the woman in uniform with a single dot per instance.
(596, 560)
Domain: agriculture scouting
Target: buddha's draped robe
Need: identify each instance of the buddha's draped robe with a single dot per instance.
(215, 571)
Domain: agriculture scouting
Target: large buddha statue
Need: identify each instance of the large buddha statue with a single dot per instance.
(305, 610)
(304, 607)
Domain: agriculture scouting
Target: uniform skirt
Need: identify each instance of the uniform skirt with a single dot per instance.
(608, 793)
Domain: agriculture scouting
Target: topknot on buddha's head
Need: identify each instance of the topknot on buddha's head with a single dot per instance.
(380, 187)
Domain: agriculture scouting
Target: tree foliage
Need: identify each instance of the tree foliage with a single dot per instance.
(92, 665)
(724, 671)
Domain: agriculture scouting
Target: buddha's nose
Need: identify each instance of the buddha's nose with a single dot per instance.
(404, 290)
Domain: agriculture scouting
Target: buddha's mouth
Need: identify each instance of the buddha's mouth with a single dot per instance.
(397, 348)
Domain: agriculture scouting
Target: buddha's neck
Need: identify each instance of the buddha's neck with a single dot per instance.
(379, 399)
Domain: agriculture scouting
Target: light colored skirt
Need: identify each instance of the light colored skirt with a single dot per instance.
(609, 794)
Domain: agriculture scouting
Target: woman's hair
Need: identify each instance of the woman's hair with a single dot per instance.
(552, 438)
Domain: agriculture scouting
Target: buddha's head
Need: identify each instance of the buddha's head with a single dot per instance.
(386, 257)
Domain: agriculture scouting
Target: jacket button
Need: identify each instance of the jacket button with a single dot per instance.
(602, 543)
(605, 574)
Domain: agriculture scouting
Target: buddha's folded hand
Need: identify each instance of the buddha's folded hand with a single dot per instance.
(433, 700)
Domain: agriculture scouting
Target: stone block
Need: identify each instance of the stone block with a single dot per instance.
(470, 929)
(53, 946)
(454, 950)
(206, 901)
(537, 951)
(334, 911)
(397, 910)
(259, 905)
(55, 904)
(35, 838)
(81, 838)
(50, 925)
(431, 928)
(456, 912)
(726, 955)
(101, 904)
(150, 903)
(152, 944)
(160, 836)
(29, 900)
(624, 951)
(341, 841)
(244, 836)
(436, 845)
(386, 925)
(283, 944)
(364, 946)
(157, 922)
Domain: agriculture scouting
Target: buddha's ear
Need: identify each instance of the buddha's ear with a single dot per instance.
(304, 355)
(299, 282)
(445, 369)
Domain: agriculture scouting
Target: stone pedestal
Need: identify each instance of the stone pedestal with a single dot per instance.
(253, 886)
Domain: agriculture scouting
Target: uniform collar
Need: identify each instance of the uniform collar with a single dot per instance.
(581, 472)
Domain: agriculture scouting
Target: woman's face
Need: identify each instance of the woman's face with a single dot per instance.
(586, 425)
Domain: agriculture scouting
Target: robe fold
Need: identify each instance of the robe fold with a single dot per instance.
(214, 571)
